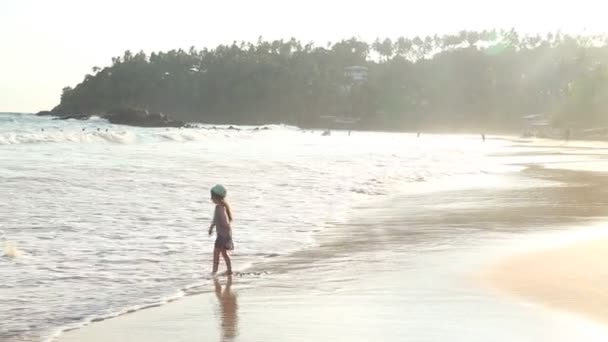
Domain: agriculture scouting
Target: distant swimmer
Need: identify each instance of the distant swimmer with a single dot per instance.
(567, 135)
(106, 129)
(98, 129)
(83, 129)
(483, 137)
(222, 218)
(42, 130)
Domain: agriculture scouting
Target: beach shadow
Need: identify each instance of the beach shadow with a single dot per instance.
(228, 309)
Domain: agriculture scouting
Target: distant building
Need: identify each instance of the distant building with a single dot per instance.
(351, 104)
(539, 125)
(356, 73)
(538, 119)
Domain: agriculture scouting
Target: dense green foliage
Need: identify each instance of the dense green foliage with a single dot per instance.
(469, 80)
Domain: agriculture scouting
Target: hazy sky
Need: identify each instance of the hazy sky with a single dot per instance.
(49, 44)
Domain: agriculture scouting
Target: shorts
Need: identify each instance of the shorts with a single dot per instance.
(224, 242)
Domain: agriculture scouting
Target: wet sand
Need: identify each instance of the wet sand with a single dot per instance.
(573, 277)
(363, 304)
(568, 274)
(408, 278)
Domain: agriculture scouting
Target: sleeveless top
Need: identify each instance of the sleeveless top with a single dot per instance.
(222, 224)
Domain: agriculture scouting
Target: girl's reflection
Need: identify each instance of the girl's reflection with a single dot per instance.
(228, 309)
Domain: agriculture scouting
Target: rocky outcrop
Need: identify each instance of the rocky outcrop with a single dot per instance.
(63, 116)
(122, 116)
(140, 118)
(75, 117)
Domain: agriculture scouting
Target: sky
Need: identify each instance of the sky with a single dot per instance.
(46, 45)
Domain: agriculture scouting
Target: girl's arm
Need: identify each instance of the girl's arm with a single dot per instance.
(213, 222)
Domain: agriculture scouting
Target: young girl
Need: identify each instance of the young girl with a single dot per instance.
(222, 218)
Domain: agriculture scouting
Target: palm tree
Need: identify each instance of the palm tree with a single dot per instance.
(473, 37)
(403, 47)
(418, 45)
(428, 45)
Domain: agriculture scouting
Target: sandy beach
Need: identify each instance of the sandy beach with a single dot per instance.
(409, 277)
(333, 242)
(372, 303)
(250, 171)
(572, 277)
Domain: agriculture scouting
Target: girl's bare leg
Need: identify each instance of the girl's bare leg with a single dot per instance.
(216, 260)
(227, 260)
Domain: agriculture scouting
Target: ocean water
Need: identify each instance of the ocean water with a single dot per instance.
(97, 220)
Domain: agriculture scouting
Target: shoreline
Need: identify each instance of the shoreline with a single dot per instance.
(412, 279)
(372, 303)
(514, 135)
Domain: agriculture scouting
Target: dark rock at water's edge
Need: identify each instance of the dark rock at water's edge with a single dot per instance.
(63, 116)
(141, 118)
(122, 116)
(75, 116)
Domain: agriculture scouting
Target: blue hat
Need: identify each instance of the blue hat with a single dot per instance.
(219, 191)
